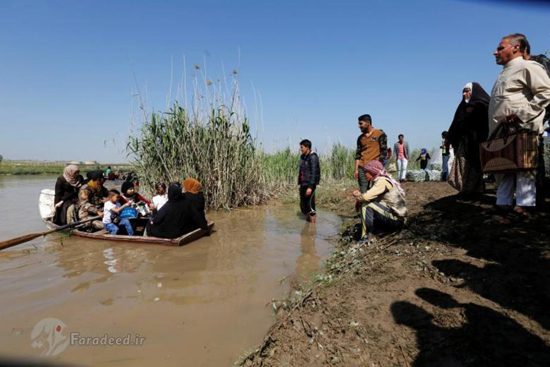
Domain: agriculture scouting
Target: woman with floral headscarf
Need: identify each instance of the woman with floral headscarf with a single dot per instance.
(66, 192)
(383, 207)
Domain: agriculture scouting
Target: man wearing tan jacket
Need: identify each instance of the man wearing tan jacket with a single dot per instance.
(519, 97)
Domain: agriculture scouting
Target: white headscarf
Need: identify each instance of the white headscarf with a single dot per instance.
(470, 87)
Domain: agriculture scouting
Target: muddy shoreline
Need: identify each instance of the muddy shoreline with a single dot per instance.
(455, 288)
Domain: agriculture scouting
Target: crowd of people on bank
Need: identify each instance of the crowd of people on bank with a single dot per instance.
(171, 213)
(519, 102)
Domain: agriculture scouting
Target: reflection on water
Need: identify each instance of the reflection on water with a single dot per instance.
(200, 304)
(307, 264)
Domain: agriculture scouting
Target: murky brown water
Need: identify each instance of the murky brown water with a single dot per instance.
(202, 304)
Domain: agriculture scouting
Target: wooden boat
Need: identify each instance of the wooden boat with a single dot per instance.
(45, 205)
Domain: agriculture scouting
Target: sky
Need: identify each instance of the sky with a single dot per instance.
(70, 71)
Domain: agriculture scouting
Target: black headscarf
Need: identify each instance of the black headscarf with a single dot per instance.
(170, 220)
(470, 125)
(126, 186)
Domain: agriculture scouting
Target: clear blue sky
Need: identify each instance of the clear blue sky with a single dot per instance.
(67, 67)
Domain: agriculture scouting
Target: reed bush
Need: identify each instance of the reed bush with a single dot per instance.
(218, 150)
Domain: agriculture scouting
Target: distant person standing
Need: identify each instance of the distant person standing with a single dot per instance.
(401, 152)
(518, 99)
(445, 155)
(309, 177)
(424, 158)
(372, 145)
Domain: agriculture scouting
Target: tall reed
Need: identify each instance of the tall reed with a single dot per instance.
(211, 142)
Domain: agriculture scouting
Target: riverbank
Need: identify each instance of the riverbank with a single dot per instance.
(456, 288)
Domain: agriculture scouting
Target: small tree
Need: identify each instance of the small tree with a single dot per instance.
(1, 158)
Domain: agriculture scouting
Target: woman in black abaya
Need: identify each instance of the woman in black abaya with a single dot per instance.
(468, 129)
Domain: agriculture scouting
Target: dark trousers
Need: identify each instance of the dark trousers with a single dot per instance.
(307, 203)
(376, 218)
(364, 185)
(541, 172)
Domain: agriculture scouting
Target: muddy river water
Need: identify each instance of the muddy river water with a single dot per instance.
(203, 304)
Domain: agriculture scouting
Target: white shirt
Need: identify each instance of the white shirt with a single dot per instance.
(107, 211)
(523, 89)
(160, 200)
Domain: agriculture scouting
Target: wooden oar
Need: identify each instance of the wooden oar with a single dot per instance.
(28, 237)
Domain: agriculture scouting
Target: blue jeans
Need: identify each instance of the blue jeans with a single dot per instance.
(113, 228)
(445, 168)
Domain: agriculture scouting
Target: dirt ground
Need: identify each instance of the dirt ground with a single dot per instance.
(456, 287)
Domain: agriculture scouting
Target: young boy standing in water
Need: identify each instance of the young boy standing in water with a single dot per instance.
(308, 179)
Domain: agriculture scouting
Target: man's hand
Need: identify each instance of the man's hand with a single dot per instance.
(308, 192)
(356, 174)
(100, 213)
(356, 193)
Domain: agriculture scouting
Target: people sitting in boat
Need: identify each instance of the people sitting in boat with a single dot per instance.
(160, 198)
(66, 193)
(86, 210)
(170, 221)
(195, 198)
(383, 207)
(99, 193)
(111, 214)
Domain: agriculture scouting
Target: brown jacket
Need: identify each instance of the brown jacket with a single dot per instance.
(374, 147)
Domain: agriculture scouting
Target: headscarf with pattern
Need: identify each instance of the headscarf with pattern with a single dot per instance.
(377, 170)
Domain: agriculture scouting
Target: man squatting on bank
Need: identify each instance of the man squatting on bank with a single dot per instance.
(383, 207)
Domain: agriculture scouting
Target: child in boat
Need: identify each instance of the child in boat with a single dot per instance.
(129, 195)
(86, 209)
(160, 198)
(110, 212)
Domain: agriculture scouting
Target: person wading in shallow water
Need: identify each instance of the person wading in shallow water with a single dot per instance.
(308, 179)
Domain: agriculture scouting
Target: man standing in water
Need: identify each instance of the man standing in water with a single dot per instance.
(372, 145)
(519, 98)
(308, 179)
